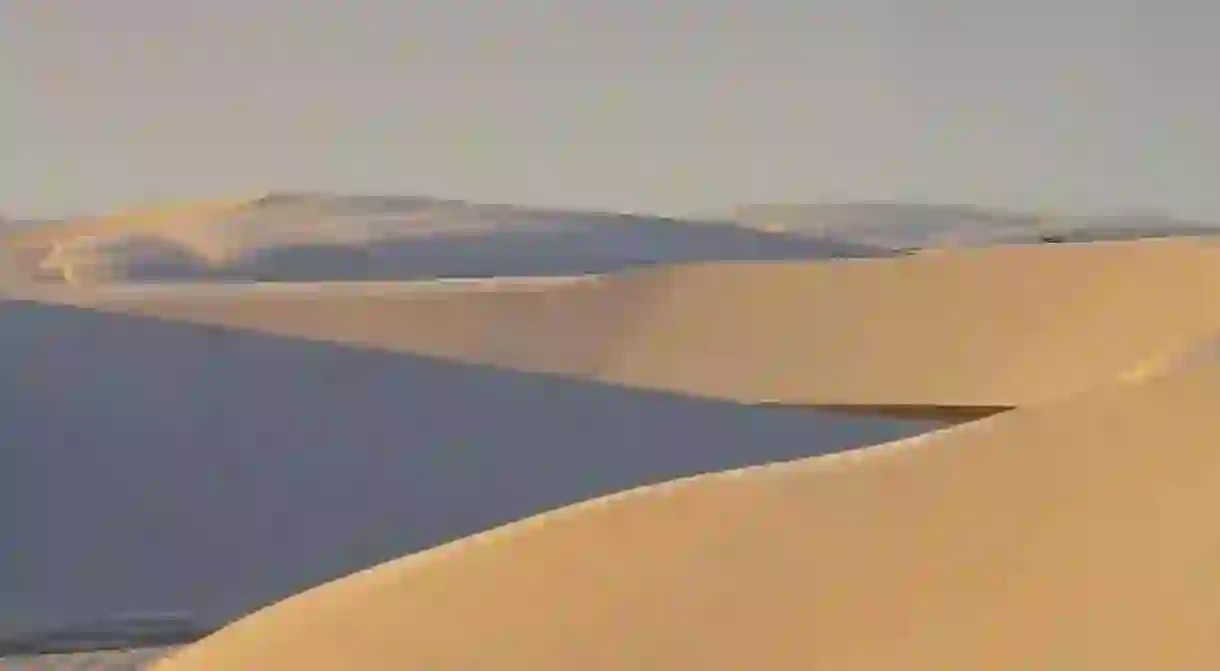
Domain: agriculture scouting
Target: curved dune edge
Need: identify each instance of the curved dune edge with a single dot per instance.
(262, 466)
(970, 331)
(1072, 534)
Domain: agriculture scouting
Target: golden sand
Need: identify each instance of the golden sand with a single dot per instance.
(1069, 535)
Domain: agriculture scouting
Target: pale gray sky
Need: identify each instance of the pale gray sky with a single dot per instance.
(647, 105)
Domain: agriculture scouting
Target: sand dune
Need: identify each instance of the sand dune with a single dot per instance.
(150, 466)
(185, 215)
(1127, 227)
(311, 237)
(959, 332)
(1071, 535)
(909, 225)
(24, 249)
(211, 447)
(893, 225)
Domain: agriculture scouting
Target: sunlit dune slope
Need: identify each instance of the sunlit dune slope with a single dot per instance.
(970, 330)
(34, 251)
(148, 466)
(1070, 535)
(311, 237)
(151, 218)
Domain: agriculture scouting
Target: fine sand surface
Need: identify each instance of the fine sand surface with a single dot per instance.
(957, 333)
(148, 466)
(1075, 534)
(116, 660)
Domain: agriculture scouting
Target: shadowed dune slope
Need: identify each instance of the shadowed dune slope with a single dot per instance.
(1070, 535)
(965, 331)
(157, 467)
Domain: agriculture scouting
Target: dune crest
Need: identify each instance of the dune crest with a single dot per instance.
(209, 472)
(966, 332)
(1066, 535)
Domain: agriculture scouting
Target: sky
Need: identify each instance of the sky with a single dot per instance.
(670, 107)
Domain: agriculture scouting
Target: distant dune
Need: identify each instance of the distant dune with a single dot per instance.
(1071, 535)
(892, 225)
(185, 215)
(317, 237)
(959, 333)
(909, 225)
(151, 466)
(1127, 227)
